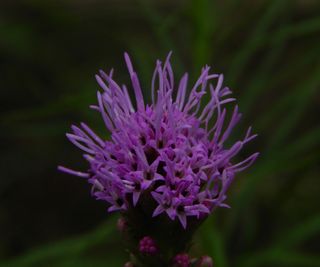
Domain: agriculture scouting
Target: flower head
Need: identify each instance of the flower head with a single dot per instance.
(172, 151)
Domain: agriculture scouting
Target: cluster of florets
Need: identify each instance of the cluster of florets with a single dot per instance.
(171, 150)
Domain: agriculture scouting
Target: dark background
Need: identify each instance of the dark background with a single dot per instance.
(269, 52)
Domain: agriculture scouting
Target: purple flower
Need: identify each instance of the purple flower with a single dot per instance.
(172, 150)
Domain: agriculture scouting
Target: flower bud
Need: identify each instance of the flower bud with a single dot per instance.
(121, 224)
(128, 264)
(148, 246)
(181, 260)
(205, 261)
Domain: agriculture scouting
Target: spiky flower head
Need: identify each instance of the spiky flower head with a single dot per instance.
(172, 151)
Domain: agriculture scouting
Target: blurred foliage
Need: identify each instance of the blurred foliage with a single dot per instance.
(269, 52)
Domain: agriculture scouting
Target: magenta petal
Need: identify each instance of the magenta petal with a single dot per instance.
(183, 220)
(135, 197)
(158, 211)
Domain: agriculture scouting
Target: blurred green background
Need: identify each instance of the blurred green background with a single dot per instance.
(269, 52)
